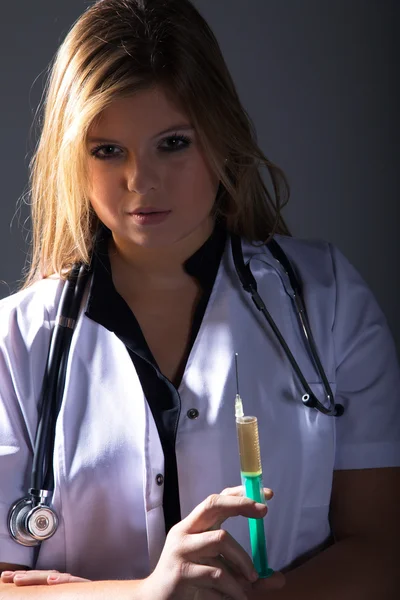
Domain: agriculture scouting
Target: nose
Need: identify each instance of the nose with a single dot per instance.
(141, 176)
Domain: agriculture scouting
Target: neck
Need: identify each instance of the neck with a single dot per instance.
(161, 267)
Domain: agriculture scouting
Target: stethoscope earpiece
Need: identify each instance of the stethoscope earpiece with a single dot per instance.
(308, 401)
(335, 411)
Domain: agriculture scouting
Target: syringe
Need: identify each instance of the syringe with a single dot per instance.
(251, 473)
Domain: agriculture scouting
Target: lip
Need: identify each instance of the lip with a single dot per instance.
(146, 210)
(147, 217)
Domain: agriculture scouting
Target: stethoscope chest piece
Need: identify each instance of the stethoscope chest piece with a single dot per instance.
(31, 524)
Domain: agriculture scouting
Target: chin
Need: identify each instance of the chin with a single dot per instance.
(163, 235)
(151, 239)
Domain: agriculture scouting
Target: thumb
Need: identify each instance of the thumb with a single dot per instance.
(275, 582)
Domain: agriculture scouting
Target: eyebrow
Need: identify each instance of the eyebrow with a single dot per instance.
(180, 127)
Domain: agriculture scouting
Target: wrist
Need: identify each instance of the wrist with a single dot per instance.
(156, 587)
(147, 589)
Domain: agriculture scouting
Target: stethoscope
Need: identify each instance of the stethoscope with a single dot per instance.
(31, 519)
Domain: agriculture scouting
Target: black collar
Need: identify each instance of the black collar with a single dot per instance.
(107, 307)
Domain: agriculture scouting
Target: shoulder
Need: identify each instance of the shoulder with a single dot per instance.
(311, 258)
(26, 322)
(332, 288)
(330, 282)
(321, 266)
(28, 309)
(43, 292)
(320, 262)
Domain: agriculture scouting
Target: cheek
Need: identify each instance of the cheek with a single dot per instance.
(192, 187)
(103, 190)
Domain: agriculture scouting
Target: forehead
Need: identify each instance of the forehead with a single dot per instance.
(145, 111)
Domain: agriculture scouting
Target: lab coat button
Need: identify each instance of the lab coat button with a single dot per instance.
(159, 479)
(193, 413)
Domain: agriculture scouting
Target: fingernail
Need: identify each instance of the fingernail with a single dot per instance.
(260, 506)
(53, 577)
(19, 577)
(7, 573)
(254, 576)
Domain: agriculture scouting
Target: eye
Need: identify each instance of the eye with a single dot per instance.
(105, 152)
(175, 143)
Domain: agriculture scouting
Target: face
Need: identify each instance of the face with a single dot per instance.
(150, 182)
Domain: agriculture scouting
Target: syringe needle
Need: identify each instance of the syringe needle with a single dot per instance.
(237, 374)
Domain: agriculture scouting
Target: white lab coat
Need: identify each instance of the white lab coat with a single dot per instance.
(107, 450)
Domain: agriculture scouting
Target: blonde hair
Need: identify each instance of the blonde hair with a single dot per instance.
(116, 48)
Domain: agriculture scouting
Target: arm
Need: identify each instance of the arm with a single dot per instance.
(94, 590)
(365, 496)
(361, 564)
(189, 566)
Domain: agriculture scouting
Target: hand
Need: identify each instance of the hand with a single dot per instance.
(24, 578)
(200, 561)
(207, 563)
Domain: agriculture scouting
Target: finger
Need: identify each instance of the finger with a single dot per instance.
(56, 579)
(8, 576)
(238, 490)
(31, 572)
(214, 578)
(275, 582)
(213, 544)
(221, 562)
(217, 508)
(232, 568)
(23, 578)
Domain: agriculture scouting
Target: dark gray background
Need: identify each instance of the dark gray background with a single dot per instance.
(319, 80)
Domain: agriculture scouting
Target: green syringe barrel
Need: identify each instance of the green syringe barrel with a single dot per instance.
(251, 473)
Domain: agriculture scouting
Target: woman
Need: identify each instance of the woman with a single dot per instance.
(147, 164)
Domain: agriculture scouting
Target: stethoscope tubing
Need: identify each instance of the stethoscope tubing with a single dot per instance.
(249, 284)
(54, 383)
(42, 470)
(42, 478)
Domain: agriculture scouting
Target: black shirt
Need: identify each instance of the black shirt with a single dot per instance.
(109, 309)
